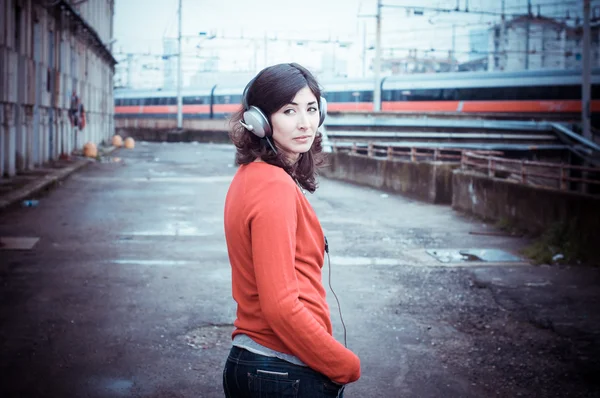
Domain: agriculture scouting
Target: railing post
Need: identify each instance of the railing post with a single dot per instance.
(354, 149)
(436, 153)
(523, 173)
(563, 178)
(390, 153)
(370, 150)
(413, 153)
(490, 167)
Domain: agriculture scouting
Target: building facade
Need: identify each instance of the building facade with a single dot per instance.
(56, 79)
(539, 43)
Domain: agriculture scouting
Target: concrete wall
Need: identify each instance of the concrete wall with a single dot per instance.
(200, 130)
(530, 208)
(46, 54)
(428, 181)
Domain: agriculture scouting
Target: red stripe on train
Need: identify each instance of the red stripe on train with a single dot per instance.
(566, 106)
(350, 106)
(420, 106)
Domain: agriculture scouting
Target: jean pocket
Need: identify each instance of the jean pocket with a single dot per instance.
(272, 385)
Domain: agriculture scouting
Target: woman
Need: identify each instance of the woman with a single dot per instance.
(282, 342)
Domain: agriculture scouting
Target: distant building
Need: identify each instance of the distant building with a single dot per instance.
(538, 43)
(478, 44)
(476, 65)
(413, 63)
(56, 79)
(170, 63)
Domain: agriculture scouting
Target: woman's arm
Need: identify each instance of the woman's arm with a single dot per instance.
(273, 233)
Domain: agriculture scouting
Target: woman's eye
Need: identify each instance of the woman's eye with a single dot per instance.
(289, 111)
(312, 109)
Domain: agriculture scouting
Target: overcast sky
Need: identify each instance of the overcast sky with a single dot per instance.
(141, 26)
(143, 23)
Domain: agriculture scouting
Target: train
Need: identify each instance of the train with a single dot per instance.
(516, 93)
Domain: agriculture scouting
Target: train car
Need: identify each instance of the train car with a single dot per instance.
(543, 91)
(197, 103)
(527, 92)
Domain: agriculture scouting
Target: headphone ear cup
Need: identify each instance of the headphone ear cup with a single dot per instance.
(322, 110)
(255, 118)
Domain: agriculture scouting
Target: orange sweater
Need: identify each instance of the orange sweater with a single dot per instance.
(276, 248)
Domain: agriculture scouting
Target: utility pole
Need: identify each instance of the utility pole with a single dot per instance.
(364, 50)
(453, 57)
(587, 69)
(527, 33)
(179, 77)
(129, 70)
(377, 63)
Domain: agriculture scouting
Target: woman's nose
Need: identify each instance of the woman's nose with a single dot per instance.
(303, 121)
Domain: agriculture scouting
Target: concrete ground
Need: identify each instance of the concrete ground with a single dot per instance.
(127, 291)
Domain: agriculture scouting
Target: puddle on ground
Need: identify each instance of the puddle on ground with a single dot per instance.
(176, 229)
(153, 262)
(473, 255)
(364, 261)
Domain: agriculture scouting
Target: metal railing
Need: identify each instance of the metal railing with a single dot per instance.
(542, 174)
(404, 152)
(490, 163)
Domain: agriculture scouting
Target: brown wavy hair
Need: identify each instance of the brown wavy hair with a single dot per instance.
(271, 89)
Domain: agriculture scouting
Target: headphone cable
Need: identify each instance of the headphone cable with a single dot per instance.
(335, 295)
(271, 145)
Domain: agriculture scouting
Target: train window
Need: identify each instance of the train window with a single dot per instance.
(117, 101)
(193, 100)
(490, 93)
(366, 96)
(426, 95)
(220, 99)
(171, 101)
(386, 95)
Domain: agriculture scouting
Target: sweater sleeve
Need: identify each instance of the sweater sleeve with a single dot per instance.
(273, 234)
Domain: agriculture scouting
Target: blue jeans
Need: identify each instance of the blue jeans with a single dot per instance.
(249, 375)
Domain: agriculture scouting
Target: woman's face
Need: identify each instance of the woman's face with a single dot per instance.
(295, 124)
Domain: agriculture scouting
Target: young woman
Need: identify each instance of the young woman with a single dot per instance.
(282, 342)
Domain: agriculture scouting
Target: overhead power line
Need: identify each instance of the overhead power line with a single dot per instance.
(449, 10)
(449, 50)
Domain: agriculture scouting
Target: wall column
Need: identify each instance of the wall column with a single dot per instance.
(2, 143)
(10, 140)
(28, 130)
(44, 139)
(21, 136)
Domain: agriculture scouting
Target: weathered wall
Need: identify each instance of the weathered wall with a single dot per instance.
(173, 135)
(530, 208)
(45, 57)
(428, 181)
(201, 130)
